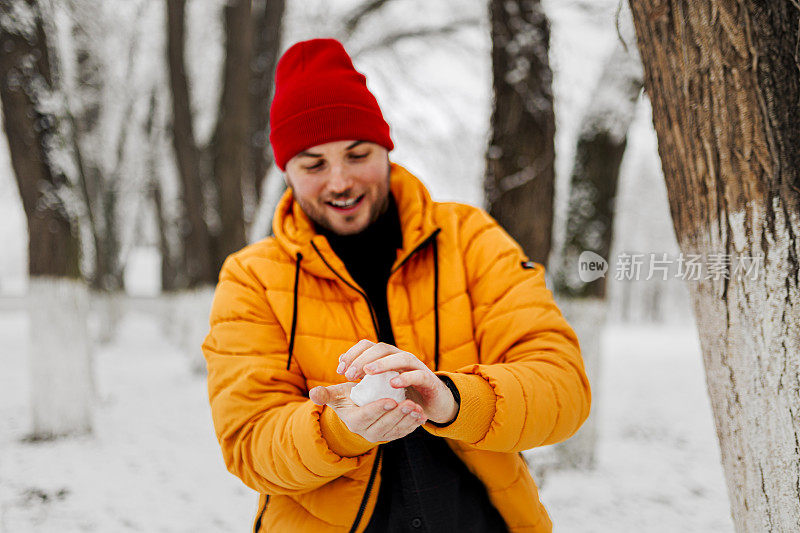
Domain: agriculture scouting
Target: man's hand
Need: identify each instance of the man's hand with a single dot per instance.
(430, 392)
(381, 420)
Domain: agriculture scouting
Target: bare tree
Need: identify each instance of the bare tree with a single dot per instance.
(217, 178)
(32, 116)
(267, 22)
(198, 256)
(230, 145)
(595, 172)
(724, 80)
(31, 128)
(590, 223)
(520, 174)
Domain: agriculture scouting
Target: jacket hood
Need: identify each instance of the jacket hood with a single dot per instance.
(295, 232)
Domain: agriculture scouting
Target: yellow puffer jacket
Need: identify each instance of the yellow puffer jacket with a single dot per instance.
(462, 297)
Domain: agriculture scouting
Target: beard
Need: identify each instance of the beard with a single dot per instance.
(320, 213)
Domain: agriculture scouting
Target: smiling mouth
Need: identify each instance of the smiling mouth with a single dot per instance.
(346, 205)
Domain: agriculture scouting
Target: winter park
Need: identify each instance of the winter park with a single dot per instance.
(395, 265)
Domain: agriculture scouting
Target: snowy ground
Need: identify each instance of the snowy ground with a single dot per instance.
(153, 464)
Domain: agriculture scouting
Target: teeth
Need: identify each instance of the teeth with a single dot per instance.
(347, 203)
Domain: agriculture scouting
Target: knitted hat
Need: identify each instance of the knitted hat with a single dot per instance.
(320, 97)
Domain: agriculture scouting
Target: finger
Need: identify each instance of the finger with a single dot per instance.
(337, 395)
(380, 350)
(354, 351)
(318, 395)
(384, 423)
(408, 424)
(421, 379)
(406, 414)
(363, 417)
(398, 362)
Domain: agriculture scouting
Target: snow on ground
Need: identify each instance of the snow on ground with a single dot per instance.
(153, 464)
(658, 466)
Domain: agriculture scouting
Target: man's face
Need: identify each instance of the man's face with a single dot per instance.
(342, 185)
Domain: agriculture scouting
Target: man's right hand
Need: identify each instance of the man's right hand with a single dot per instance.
(381, 420)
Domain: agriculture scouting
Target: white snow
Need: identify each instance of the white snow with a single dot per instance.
(152, 464)
(375, 387)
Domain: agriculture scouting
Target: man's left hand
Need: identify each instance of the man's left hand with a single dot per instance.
(426, 389)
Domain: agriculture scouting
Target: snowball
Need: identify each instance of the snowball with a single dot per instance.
(376, 386)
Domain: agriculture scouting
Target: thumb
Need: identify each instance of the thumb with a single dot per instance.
(332, 395)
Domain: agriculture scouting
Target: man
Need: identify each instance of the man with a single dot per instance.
(366, 274)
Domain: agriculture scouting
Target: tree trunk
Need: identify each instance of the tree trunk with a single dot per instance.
(238, 151)
(520, 175)
(590, 225)
(723, 80)
(25, 80)
(60, 362)
(267, 22)
(89, 145)
(198, 257)
(154, 133)
(231, 142)
(595, 173)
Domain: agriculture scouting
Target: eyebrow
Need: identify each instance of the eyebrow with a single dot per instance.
(311, 154)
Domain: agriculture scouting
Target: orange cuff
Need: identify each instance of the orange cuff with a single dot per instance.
(340, 439)
(476, 412)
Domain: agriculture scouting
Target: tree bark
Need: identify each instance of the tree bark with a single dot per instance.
(25, 80)
(99, 187)
(595, 173)
(267, 30)
(520, 172)
(238, 151)
(724, 82)
(198, 256)
(230, 145)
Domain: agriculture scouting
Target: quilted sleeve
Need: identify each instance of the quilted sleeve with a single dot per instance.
(272, 436)
(530, 388)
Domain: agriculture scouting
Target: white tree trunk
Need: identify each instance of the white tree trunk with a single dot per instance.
(187, 323)
(59, 357)
(587, 316)
(750, 335)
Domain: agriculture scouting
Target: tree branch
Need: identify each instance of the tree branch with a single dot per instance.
(360, 13)
(437, 31)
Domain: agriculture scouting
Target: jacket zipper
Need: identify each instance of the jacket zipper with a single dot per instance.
(419, 247)
(261, 515)
(362, 507)
(359, 291)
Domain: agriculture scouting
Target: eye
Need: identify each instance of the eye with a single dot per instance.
(358, 156)
(316, 166)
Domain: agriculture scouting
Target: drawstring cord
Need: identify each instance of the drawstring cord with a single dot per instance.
(294, 309)
(436, 302)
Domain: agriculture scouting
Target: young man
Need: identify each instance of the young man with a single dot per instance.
(366, 274)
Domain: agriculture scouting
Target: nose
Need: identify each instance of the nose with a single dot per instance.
(340, 180)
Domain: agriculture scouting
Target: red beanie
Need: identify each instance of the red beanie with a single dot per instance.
(320, 97)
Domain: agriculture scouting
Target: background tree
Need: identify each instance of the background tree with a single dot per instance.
(213, 176)
(520, 172)
(590, 223)
(61, 384)
(98, 182)
(724, 82)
